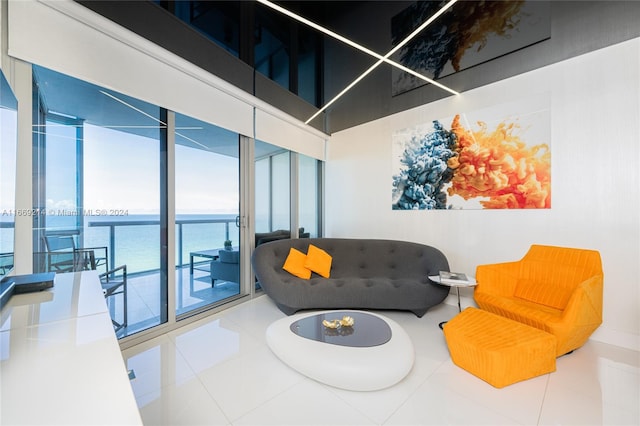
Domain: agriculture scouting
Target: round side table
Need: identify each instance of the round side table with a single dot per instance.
(469, 282)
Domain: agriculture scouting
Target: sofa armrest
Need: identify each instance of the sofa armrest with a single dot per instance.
(581, 317)
(499, 279)
(585, 304)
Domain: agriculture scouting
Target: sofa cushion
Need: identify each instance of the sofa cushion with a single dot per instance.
(529, 313)
(548, 285)
(229, 256)
(294, 264)
(318, 261)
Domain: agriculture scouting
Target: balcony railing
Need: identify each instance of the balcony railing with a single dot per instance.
(216, 237)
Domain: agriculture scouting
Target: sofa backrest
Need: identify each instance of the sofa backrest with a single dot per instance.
(549, 275)
(229, 256)
(265, 237)
(362, 258)
(279, 234)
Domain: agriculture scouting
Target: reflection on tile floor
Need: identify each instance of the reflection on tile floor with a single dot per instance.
(219, 371)
(193, 291)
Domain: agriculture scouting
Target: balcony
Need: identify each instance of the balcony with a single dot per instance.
(135, 243)
(192, 292)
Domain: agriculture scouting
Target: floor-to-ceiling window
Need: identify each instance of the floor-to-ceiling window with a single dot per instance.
(108, 169)
(100, 162)
(273, 201)
(98, 184)
(273, 194)
(8, 159)
(309, 196)
(63, 191)
(207, 203)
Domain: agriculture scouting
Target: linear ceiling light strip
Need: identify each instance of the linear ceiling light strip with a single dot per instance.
(365, 50)
(354, 44)
(421, 27)
(117, 99)
(391, 52)
(163, 124)
(193, 141)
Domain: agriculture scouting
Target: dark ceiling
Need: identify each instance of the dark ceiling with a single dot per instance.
(324, 12)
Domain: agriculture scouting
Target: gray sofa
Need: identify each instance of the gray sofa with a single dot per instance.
(365, 274)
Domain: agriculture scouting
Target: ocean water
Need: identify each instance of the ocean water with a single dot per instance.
(134, 240)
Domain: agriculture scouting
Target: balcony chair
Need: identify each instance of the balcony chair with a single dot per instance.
(63, 256)
(555, 289)
(61, 253)
(113, 282)
(6, 262)
(226, 267)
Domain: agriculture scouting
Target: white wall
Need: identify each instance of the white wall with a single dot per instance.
(595, 138)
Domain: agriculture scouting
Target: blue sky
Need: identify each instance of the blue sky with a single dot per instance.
(121, 172)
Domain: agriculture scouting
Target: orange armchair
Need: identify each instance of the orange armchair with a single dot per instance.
(554, 289)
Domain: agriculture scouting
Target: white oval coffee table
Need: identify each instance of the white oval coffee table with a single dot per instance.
(373, 354)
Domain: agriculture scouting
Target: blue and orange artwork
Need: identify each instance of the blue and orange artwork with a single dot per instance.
(467, 34)
(484, 166)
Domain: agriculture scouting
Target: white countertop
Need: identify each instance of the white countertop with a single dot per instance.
(60, 362)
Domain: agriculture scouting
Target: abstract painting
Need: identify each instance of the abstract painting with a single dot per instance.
(496, 158)
(468, 34)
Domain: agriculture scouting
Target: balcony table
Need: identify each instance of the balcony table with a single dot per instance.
(207, 254)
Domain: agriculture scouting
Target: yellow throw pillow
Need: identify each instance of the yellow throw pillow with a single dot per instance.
(318, 260)
(295, 264)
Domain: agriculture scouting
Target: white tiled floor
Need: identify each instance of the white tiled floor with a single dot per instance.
(219, 371)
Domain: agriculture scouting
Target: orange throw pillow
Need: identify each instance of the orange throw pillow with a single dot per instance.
(295, 264)
(319, 261)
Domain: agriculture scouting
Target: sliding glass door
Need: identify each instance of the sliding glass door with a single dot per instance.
(99, 191)
(121, 183)
(207, 205)
(273, 189)
(309, 196)
(8, 165)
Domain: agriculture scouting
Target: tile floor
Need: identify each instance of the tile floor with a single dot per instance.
(144, 299)
(219, 371)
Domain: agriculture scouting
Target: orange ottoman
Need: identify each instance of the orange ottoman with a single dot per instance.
(498, 350)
